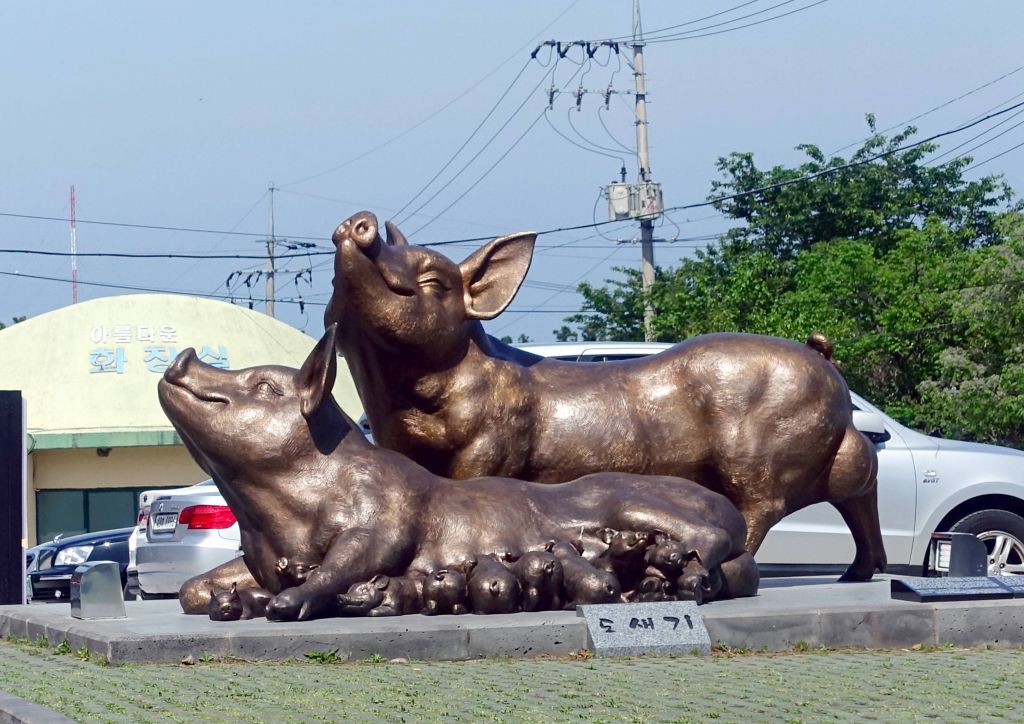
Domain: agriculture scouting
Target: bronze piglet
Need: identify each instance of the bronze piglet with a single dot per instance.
(383, 596)
(540, 575)
(238, 603)
(444, 591)
(492, 587)
(584, 583)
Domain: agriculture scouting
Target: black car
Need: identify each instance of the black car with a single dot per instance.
(49, 565)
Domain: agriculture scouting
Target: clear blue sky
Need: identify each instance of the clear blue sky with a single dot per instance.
(181, 114)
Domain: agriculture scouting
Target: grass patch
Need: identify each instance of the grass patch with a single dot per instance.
(323, 657)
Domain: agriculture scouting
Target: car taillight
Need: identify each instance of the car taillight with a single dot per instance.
(206, 517)
(141, 520)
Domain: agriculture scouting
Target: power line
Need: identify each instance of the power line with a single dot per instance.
(655, 36)
(220, 240)
(500, 158)
(618, 143)
(440, 110)
(951, 101)
(993, 158)
(390, 210)
(568, 118)
(770, 187)
(477, 155)
(624, 38)
(845, 166)
(557, 293)
(740, 27)
(466, 142)
(168, 255)
(225, 297)
(128, 287)
(983, 143)
(154, 227)
(554, 230)
(482, 176)
(578, 145)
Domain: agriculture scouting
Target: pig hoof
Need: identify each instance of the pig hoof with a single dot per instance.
(856, 575)
(287, 606)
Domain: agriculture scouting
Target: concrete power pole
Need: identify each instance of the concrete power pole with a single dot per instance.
(643, 200)
(643, 169)
(271, 243)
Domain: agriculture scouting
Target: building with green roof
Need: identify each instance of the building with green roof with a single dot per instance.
(88, 372)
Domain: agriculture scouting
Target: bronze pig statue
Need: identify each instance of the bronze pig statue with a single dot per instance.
(764, 421)
(306, 485)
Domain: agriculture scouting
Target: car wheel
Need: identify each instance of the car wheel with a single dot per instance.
(1002, 532)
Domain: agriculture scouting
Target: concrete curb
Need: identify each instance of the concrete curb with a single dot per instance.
(18, 711)
(788, 612)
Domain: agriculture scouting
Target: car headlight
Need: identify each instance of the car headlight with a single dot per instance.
(73, 555)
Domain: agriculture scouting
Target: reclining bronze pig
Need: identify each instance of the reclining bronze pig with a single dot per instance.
(766, 422)
(305, 485)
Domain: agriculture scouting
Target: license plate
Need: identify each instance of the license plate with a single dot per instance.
(164, 521)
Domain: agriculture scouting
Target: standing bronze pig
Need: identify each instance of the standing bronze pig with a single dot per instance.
(765, 421)
(305, 485)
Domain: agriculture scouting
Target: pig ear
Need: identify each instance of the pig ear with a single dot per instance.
(316, 377)
(394, 236)
(380, 581)
(492, 274)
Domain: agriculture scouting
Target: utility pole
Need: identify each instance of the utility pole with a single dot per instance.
(642, 200)
(271, 243)
(643, 169)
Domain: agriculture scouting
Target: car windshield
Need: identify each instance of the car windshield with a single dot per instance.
(45, 559)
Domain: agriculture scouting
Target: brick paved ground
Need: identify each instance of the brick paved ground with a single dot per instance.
(945, 684)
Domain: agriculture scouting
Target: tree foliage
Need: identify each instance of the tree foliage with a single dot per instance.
(913, 271)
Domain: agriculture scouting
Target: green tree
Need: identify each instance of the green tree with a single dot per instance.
(900, 263)
(14, 320)
(522, 339)
(977, 390)
(874, 200)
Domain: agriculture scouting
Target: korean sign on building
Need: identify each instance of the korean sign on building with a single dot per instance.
(152, 346)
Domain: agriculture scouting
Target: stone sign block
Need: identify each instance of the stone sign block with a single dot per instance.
(933, 590)
(1015, 584)
(630, 629)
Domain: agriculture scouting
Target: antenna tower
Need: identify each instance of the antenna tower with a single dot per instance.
(74, 251)
(271, 243)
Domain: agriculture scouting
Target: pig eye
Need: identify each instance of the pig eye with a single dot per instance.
(265, 388)
(433, 284)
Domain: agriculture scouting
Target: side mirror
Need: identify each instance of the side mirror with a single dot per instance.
(872, 425)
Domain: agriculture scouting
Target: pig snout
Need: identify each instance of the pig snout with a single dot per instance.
(179, 367)
(362, 230)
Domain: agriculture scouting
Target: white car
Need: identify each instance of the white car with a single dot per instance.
(181, 532)
(925, 485)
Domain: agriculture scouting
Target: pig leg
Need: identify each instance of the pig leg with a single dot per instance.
(740, 577)
(853, 490)
(194, 595)
(760, 516)
(861, 515)
(357, 554)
